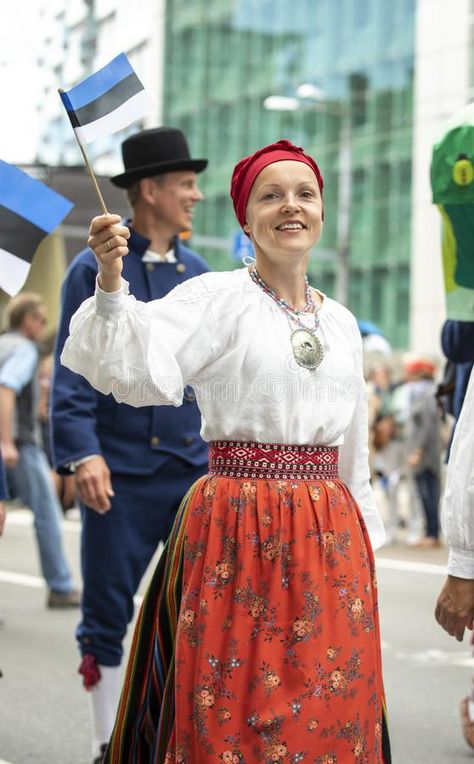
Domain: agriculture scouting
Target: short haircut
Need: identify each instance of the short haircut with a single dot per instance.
(133, 191)
(21, 306)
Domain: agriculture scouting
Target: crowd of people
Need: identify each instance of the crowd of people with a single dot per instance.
(258, 639)
(409, 431)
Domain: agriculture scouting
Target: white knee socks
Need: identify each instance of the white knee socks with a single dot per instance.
(103, 702)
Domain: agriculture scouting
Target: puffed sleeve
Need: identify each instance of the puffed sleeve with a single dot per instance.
(458, 502)
(354, 453)
(142, 353)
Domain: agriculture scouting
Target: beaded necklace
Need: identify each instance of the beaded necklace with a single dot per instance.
(307, 349)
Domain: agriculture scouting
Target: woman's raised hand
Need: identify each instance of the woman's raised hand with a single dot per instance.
(109, 241)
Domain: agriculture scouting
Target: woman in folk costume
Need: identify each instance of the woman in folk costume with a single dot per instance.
(258, 640)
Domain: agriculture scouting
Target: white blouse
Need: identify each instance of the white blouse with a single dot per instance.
(227, 339)
(458, 503)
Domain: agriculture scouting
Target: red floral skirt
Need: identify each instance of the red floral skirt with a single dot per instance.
(258, 640)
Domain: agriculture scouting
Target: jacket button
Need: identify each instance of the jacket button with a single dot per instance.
(188, 441)
(181, 267)
(150, 266)
(155, 441)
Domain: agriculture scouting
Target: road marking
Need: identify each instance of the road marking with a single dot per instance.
(21, 579)
(410, 566)
(23, 517)
(35, 582)
(2, 761)
(436, 657)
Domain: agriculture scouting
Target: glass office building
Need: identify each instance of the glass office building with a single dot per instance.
(225, 58)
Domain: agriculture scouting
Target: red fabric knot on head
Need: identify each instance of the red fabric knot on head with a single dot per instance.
(246, 171)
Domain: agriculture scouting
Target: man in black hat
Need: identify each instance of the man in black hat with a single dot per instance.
(132, 466)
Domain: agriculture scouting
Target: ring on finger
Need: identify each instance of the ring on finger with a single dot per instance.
(108, 244)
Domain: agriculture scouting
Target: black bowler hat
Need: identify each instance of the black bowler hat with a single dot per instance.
(154, 152)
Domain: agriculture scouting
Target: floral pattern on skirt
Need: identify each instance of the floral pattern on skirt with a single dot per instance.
(277, 647)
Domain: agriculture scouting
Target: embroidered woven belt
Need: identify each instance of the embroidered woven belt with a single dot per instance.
(272, 461)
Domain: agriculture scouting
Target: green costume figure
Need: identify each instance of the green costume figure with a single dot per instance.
(452, 182)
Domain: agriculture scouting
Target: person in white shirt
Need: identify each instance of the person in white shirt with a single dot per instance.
(455, 605)
(259, 637)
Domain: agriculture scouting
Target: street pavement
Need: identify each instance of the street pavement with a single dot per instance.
(43, 708)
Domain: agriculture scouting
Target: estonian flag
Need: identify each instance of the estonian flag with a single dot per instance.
(106, 101)
(29, 211)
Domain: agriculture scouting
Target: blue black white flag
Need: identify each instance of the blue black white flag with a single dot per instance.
(106, 101)
(29, 211)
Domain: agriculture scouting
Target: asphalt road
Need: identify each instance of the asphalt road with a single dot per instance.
(43, 708)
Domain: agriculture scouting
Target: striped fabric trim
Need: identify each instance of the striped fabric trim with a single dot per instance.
(386, 750)
(273, 461)
(145, 715)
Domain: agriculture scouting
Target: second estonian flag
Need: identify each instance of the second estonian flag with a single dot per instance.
(29, 211)
(106, 101)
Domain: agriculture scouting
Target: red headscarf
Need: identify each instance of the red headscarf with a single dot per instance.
(248, 168)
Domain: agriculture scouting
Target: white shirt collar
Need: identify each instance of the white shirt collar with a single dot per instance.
(155, 257)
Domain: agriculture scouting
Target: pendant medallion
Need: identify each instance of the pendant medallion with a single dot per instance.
(307, 349)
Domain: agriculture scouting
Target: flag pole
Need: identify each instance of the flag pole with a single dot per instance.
(89, 169)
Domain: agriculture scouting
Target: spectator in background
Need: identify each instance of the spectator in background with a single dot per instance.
(64, 484)
(387, 448)
(423, 442)
(20, 441)
(388, 409)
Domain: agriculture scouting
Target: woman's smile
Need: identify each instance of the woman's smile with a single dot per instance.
(284, 206)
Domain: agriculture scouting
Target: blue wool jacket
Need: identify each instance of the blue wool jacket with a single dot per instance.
(457, 341)
(132, 440)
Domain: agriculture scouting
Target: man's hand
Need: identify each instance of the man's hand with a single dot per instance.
(93, 484)
(455, 606)
(109, 241)
(10, 454)
(3, 515)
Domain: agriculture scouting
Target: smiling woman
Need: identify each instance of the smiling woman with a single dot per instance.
(286, 216)
(258, 640)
